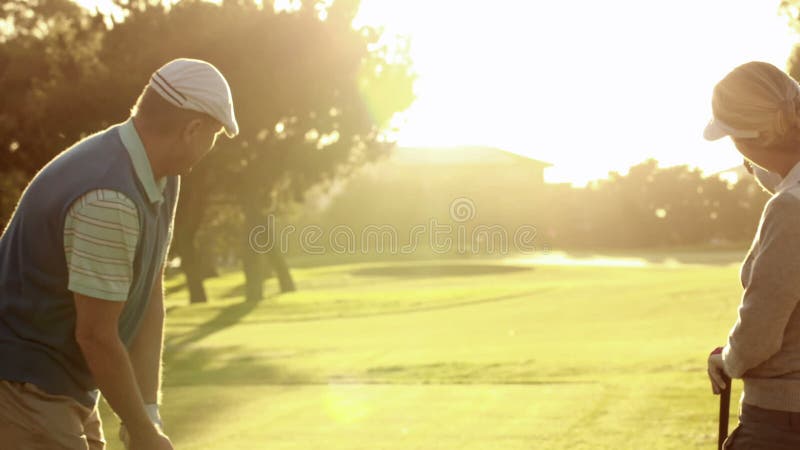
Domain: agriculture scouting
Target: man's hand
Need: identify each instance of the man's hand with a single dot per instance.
(150, 440)
(716, 372)
(155, 417)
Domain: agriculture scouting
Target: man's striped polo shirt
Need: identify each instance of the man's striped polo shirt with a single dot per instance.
(101, 230)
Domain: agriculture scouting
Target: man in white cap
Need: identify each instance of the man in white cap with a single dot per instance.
(81, 269)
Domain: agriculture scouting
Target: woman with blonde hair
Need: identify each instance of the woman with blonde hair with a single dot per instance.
(758, 106)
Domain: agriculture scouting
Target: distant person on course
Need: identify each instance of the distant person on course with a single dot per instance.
(758, 106)
(81, 269)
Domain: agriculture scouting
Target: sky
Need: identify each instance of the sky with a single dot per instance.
(588, 86)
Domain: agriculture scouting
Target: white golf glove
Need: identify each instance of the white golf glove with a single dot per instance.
(155, 417)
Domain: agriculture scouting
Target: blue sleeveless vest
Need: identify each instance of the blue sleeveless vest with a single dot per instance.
(37, 312)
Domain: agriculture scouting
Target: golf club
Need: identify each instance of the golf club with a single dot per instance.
(724, 412)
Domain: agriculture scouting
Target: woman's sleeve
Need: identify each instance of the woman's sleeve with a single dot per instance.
(772, 291)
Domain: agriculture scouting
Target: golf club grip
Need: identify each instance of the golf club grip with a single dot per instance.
(724, 412)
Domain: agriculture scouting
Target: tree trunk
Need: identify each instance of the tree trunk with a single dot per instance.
(260, 264)
(252, 264)
(194, 280)
(252, 258)
(187, 223)
(192, 264)
(278, 263)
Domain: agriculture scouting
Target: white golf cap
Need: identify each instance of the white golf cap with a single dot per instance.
(717, 129)
(199, 86)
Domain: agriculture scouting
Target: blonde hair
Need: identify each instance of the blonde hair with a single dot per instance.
(758, 96)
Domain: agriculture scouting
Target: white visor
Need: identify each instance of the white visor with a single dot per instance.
(717, 129)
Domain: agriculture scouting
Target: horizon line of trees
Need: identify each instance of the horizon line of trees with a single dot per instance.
(655, 207)
(649, 206)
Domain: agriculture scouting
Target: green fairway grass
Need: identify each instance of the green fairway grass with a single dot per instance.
(450, 355)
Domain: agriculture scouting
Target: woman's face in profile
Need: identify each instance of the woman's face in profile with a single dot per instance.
(773, 158)
(750, 150)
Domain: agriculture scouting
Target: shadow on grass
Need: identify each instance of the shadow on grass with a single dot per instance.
(225, 318)
(203, 371)
(457, 372)
(195, 380)
(225, 366)
(236, 366)
(334, 312)
(175, 288)
(238, 291)
(435, 270)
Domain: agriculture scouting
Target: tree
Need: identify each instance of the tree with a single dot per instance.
(653, 206)
(48, 56)
(47, 48)
(314, 99)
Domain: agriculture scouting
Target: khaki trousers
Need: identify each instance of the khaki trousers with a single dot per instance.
(31, 419)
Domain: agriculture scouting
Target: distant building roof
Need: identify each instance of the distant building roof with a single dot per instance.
(466, 155)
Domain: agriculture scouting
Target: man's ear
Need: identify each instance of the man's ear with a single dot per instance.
(192, 128)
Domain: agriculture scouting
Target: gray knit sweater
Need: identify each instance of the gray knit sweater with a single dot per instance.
(764, 345)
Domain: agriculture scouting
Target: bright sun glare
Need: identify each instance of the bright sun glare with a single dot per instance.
(587, 86)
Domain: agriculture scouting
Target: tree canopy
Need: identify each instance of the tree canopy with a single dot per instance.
(314, 98)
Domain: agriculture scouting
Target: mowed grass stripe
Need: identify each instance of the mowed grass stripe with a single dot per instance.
(608, 358)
